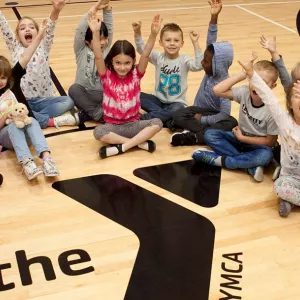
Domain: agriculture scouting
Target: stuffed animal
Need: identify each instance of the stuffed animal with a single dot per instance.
(19, 115)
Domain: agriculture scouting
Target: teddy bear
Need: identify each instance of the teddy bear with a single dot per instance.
(19, 115)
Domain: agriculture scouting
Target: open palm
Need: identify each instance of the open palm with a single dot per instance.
(216, 6)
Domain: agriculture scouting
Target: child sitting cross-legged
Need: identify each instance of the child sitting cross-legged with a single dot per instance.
(249, 145)
(121, 94)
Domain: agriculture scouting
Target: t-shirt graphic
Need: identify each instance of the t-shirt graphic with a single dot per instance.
(7, 101)
(169, 81)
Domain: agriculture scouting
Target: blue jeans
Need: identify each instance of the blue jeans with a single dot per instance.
(156, 109)
(49, 107)
(18, 137)
(237, 155)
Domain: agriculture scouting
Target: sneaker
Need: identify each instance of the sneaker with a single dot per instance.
(284, 208)
(49, 167)
(82, 117)
(257, 173)
(205, 156)
(64, 120)
(277, 170)
(30, 169)
(185, 138)
(170, 124)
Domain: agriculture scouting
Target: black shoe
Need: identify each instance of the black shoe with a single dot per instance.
(82, 117)
(170, 124)
(102, 151)
(183, 139)
(151, 146)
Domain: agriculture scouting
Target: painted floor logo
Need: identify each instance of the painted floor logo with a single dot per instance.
(176, 245)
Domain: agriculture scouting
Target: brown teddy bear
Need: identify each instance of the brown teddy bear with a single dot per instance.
(19, 115)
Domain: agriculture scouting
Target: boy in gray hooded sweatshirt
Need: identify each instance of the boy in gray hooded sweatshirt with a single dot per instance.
(209, 111)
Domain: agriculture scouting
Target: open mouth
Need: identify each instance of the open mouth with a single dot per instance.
(28, 37)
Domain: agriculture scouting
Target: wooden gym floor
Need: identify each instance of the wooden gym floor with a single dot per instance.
(43, 222)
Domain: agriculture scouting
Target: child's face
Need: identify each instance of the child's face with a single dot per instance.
(103, 42)
(26, 32)
(3, 81)
(207, 62)
(122, 64)
(268, 79)
(171, 42)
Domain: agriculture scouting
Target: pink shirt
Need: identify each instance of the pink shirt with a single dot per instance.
(121, 96)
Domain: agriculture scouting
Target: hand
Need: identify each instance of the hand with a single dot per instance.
(215, 6)
(42, 29)
(248, 66)
(101, 4)
(198, 116)
(137, 26)
(156, 24)
(94, 22)
(268, 44)
(238, 133)
(194, 36)
(59, 4)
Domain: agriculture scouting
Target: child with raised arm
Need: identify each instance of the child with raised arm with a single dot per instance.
(287, 186)
(36, 84)
(209, 110)
(15, 138)
(87, 91)
(171, 72)
(121, 94)
(249, 145)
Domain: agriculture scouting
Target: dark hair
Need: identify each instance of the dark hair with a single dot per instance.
(5, 70)
(119, 47)
(211, 49)
(170, 27)
(103, 32)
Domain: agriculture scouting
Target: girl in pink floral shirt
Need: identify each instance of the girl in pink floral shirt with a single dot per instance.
(121, 100)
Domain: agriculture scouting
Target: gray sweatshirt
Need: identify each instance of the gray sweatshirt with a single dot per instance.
(171, 74)
(285, 77)
(86, 73)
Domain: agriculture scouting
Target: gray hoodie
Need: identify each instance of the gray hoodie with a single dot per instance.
(86, 73)
(221, 62)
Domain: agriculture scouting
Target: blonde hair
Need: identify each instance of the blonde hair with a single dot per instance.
(171, 27)
(296, 72)
(24, 18)
(295, 76)
(266, 65)
(5, 70)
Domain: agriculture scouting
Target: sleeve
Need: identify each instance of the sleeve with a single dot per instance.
(212, 34)
(285, 78)
(238, 93)
(224, 114)
(48, 39)
(79, 39)
(267, 96)
(7, 33)
(272, 128)
(140, 45)
(194, 65)
(108, 21)
(17, 73)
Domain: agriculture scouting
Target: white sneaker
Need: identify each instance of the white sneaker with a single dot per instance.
(30, 169)
(259, 174)
(49, 167)
(64, 120)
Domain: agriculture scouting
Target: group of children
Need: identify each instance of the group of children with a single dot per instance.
(107, 89)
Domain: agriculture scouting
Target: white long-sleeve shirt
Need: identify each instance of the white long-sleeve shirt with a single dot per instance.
(289, 130)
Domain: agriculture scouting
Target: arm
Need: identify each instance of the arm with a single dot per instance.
(79, 39)
(195, 64)
(108, 20)
(94, 24)
(144, 59)
(8, 35)
(285, 78)
(29, 51)
(269, 140)
(223, 89)
(58, 5)
(216, 7)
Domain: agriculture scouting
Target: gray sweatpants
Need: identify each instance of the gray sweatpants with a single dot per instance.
(90, 101)
(288, 188)
(128, 130)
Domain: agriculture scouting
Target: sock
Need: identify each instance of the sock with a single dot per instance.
(110, 151)
(51, 122)
(144, 146)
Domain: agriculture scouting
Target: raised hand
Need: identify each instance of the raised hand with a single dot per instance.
(59, 4)
(43, 28)
(270, 45)
(137, 26)
(94, 22)
(101, 4)
(156, 24)
(194, 36)
(248, 66)
(215, 6)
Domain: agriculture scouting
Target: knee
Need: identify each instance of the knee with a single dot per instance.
(211, 135)
(157, 123)
(177, 114)
(74, 89)
(100, 131)
(266, 157)
(176, 106)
